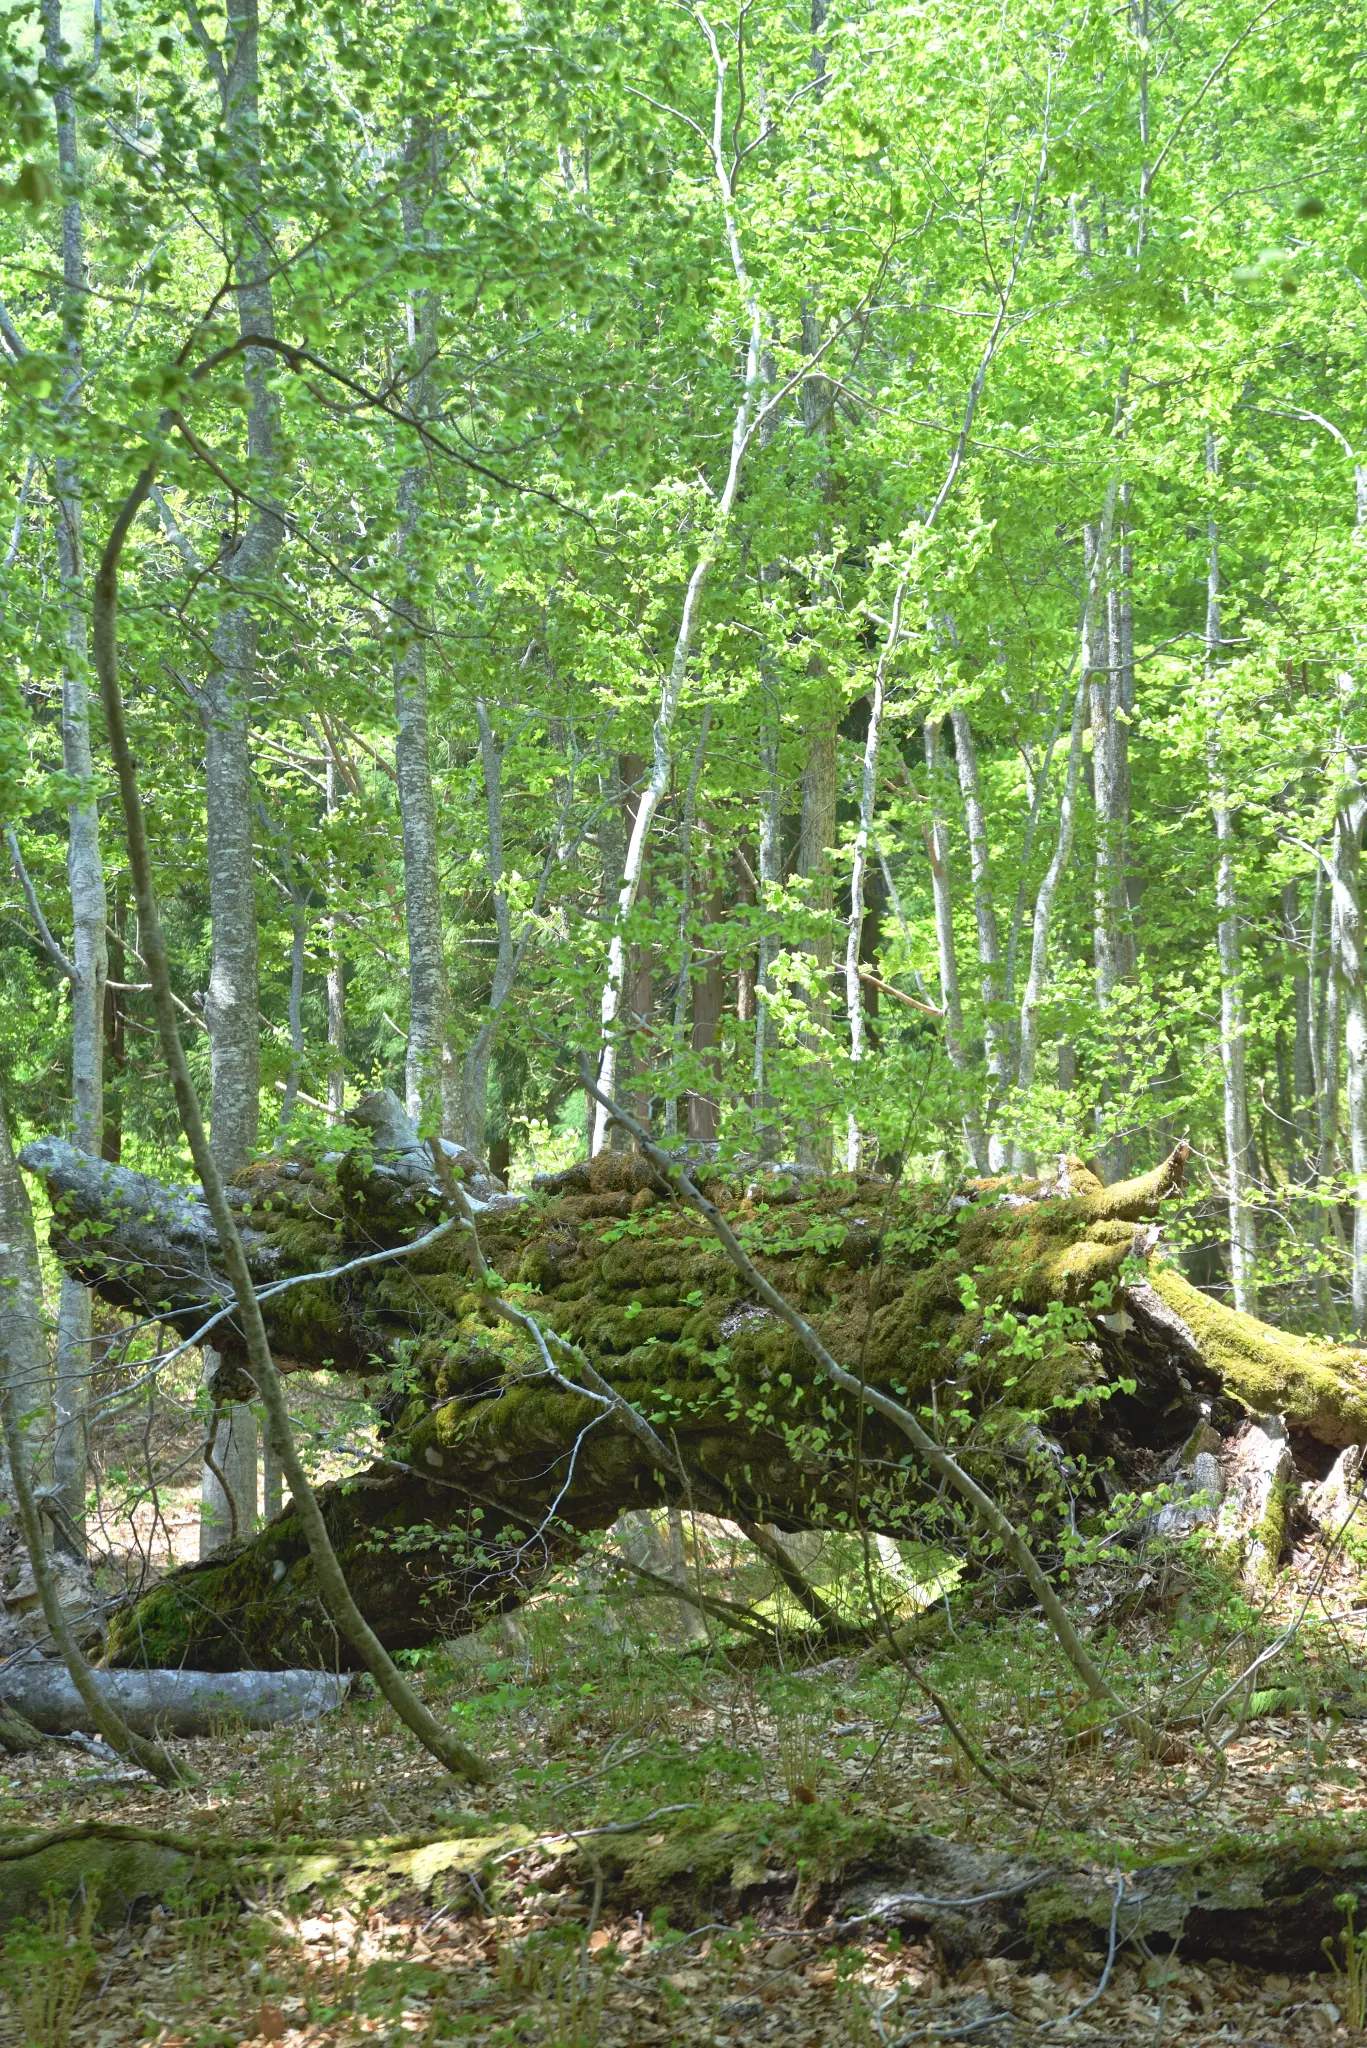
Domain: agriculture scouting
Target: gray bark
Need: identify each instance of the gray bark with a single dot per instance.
(1243, 1250)
(685, 982)
(937, 852)
(1101, 634)
(336, 975)
(432, 1080)
(1044, 906)
(227, 1506)
(475, 1072)
(662, 750)
(1302, 1063)
(816, 838)
(181, 1703)
(863, 844)
(232, 1000)
(88, 958)
(23, 1352)
(996, 1038)
(431, 1077)
(770, 877)
(1350, 969)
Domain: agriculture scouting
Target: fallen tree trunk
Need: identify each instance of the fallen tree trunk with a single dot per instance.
(170, 1702)
(1039, 1321)
(1267, 1904)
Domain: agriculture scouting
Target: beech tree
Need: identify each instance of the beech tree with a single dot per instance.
(820, 578)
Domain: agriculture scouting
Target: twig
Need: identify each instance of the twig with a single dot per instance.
(994, 1519)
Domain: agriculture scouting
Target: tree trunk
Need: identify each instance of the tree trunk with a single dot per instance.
(233, 1002)
(770, 879)
(671, 691)
(863, 846)
(1302, 1075)
(431, 1078)
(1110, 784)
(996, 1039)
(1350, 967)
(336, 971)
(23, 1355)
(937, 853)
(1044, 905)
(683, 987)
(494, 1470)
(708, 985)
(85, 866)
(816, 841)
(474, 1087)
(1243, 1249)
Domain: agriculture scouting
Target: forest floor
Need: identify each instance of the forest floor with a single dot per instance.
(600, 1716)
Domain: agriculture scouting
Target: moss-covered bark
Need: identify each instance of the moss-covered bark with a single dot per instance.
(1037, 1320)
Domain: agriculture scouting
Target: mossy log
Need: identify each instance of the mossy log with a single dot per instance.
(1039, 1320)
(1268, 1904)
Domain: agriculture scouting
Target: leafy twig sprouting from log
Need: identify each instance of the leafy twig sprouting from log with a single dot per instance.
(948, 1468)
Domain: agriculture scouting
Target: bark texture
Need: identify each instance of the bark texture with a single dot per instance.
(493, 1467)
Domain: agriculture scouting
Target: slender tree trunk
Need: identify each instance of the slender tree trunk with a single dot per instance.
(475, 1071)
(770, 879)
(684, 985)
(1302, 1077)
(1351, 971)
(23, 1353)
(863, 844)
(233, 999)
(709, 1001)
(937, 852)
(115, 1039)
(996, 1038)
(432, 1079)
(336, 971)
(1110, 783)
(694, 1627)
(85, 866)
(1327, 1040)
(662, 752)
(1044, 907)
(1243, 1250)
(816, 839)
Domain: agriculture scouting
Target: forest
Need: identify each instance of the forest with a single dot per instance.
(683, 1023)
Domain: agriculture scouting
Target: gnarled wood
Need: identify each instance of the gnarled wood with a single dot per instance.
(492, 1465)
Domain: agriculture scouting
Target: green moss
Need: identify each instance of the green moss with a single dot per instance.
(1271, 1536)
(705, 1857)
(1272, 1371)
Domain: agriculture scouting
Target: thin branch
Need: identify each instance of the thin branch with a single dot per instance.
(50, 946)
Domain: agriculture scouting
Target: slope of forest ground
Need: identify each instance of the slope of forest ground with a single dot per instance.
(592, 1909)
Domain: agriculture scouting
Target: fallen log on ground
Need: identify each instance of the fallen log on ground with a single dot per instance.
(1269, 1904)
(1039, 1320)
(171, 1702)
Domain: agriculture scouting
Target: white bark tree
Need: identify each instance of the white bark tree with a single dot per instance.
(432, 1078)
(1243, 1247)
(942, 897)
(245, 562)
(723, 170)
(1350, 970)
(996, 1037)
(1044, 905)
